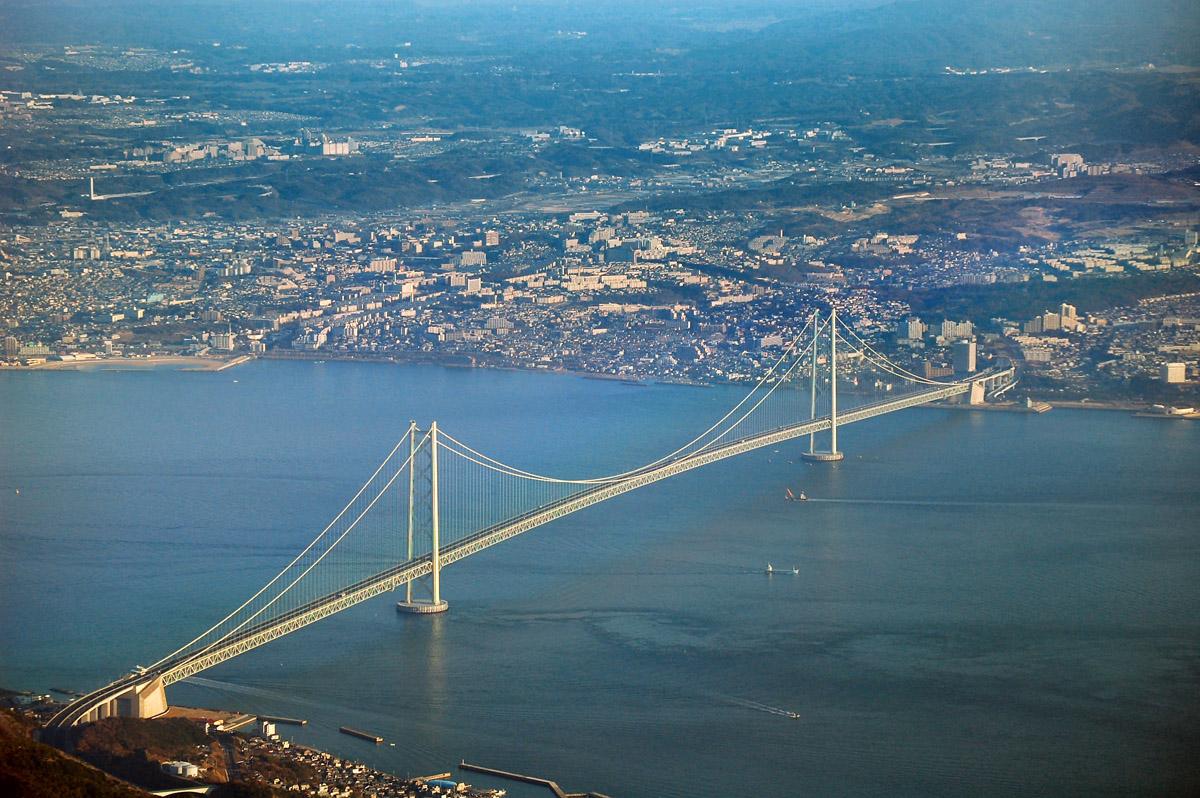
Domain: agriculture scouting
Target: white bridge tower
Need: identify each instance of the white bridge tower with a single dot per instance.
(435, 603)
(832, 454)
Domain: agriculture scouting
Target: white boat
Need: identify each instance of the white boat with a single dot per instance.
(770, 569)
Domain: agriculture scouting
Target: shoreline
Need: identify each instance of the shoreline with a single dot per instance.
(124, 363)
(1012, 407)
(202, 363)
(1090, 404)
(334, 764)
(402, 360)
(1083, 403)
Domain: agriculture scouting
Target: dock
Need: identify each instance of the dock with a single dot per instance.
(288, 721)
(237, 723)
(547, 783)
(362, 735)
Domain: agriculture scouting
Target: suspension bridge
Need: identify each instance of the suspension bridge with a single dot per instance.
(434, 500)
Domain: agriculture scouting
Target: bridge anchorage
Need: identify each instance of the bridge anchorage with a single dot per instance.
(434, 500)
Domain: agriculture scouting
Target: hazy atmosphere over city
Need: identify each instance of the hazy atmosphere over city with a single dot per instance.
(633, 399)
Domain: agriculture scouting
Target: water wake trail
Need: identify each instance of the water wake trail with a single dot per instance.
(954, 503)
(758, 706)
(258, 692)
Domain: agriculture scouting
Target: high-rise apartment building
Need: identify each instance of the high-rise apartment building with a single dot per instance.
(963, 354)
(1174, 373)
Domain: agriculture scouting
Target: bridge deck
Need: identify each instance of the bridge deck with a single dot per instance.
(194, 662)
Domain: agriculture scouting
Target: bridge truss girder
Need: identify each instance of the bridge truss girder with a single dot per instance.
(403, 574)
(394, 578)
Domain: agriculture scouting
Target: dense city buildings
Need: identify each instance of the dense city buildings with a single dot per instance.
(667, 295)
(686, 257)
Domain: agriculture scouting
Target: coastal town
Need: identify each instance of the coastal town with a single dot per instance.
(190, 749)
(667, 295)
(208, 231)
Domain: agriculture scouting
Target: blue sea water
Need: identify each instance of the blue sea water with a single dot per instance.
(987, 603)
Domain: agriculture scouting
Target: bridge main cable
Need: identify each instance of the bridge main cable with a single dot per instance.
(481, 459)
(708, 447)
(461, 449)
(407, 464)
(883, 362)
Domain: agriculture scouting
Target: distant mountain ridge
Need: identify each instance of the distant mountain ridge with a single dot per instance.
(907, 35)
(920, 35)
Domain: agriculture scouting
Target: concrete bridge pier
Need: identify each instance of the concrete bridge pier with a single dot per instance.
(144, 700)
(147, 701)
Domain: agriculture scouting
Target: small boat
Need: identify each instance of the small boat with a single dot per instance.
(793, 714)
(793, 497)
(795, 571)
(770, 569)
